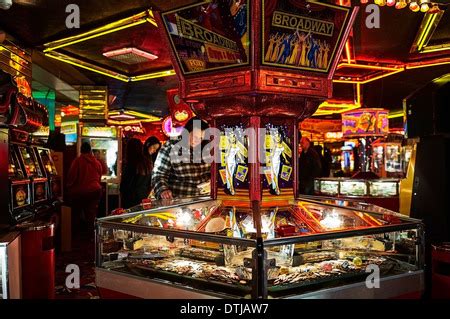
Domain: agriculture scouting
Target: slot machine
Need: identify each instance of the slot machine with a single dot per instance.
(39, 181)
(20, 199)
(49, 169)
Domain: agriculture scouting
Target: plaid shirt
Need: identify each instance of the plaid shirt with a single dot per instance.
(180, 174)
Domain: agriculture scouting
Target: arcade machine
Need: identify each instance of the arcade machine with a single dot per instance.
(20, 189)
(364, 185)
(254, 239)
(106, 143)
(387, 158)
(54, 179)
(347, 159)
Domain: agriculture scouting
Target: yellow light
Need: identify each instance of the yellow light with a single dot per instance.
(117, 77)
(426, 31)
(401, 4)
(435, 49)
(152, 75)
(152, 21)
(395, 114)
(424, 7)
(94, 35)
(366, 66)
(410, 67)
(381, 3)
(370, 79)
(146, 16)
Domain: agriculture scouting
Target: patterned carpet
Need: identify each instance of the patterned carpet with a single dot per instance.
(82, 255)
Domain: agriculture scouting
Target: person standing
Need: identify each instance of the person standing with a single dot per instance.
(309, 167)
(136, 176)
(84, 187)
(176, 175)
(151, 148)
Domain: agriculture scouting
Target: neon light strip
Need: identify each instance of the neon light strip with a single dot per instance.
(370, 79)
(95, 35)
(152, 75)
(427, 31)
(137, 19)
(417, 66)
(365, 66)
(117, 77)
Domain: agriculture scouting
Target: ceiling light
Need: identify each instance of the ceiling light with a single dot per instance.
(130, 55)
(413, 6)
(390, 3)
(400, 4)
(424, 7)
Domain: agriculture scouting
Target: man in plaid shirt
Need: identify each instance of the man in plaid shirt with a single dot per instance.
(176, 174)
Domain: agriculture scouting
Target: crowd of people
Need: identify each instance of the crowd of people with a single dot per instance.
(149, 171)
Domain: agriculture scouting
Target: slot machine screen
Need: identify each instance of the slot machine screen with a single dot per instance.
(14, 169)
(30, 161)
(20, 195)
(47, 161)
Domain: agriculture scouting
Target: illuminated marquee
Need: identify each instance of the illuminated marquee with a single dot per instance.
(197, 33)
(295, 22)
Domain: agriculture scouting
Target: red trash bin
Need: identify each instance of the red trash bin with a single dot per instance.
(38, 260)
(440, 269)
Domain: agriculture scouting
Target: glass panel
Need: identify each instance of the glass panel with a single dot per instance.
(329, 187)
(30, 161)
(47, 161)
(14, 168)
(344, 261)
(353, 188)
(208, 266)
(383, 188)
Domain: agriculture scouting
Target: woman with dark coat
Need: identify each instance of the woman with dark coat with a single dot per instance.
(136, 176)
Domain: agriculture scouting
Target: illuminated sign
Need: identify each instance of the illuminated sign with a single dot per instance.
(69, 128)
(333, 135)
(99, 131)
(305, 24)
(209, 35)
(169, 129)
(306, 38)
(365, 122)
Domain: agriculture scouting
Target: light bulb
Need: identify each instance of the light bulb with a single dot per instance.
(364, 1)
(424, 7)
(390, 3)
(400, 4)
(413, 6)
(381, 3)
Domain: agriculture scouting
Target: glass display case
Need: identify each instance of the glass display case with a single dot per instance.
(383, 188)
(308, 248)
(380, 188)
(353, 187)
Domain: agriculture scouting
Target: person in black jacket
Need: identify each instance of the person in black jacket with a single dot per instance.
(136, 176)
(309, 167)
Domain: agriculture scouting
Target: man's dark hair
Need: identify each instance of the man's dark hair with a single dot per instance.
(85, 148)
(197, 123)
